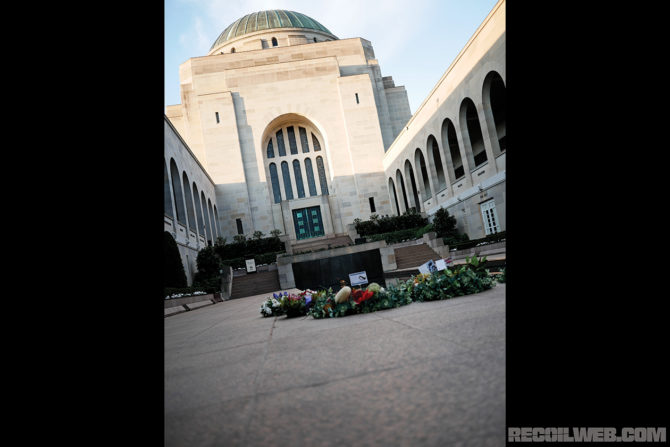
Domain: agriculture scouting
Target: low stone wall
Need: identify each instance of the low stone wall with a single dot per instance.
(177, 305)
(284, 263)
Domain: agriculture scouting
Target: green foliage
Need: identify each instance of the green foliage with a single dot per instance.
(173, 269)
(258, 235)
(325, 307)
(444, 224)
(239, 238)
(463, 280)
(275, 233)
(401, 235)
(387, 224)
(252, 247)
(502, 277)
(452, 241)
(209, 266)
(490, 239)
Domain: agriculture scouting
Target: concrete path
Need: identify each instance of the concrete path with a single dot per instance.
(425, 374)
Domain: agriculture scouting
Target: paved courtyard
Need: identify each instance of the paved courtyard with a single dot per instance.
(425, 374)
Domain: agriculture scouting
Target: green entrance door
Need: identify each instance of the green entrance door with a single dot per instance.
(308, 222)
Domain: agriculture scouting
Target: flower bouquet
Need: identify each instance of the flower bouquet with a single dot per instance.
(289, 304)
(272, 306)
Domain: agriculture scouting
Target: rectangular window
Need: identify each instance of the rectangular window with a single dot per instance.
(357, 102)
(490, 217)
(372, 205)
(239, 226)
(217, 117)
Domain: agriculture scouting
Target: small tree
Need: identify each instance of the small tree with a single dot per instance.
(258, 235)
(444, 224)
(275, 233)
(173, 268)
(209, 266)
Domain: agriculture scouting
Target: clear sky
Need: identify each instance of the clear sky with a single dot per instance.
(415, 41)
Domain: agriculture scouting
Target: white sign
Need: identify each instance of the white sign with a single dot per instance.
(443, 264)
(251, 265)
(356, 279)
(428, 267)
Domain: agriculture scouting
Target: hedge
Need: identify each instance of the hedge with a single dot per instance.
(491, 238)
(401, 235)
(389, 224)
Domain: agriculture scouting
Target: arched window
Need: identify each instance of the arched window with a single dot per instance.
(291, 140)
(454, 161)
(297, 173)
(190, 212)
(409, 173)
(178, 195)
(211, 219)
(394, 197)
(217, 221)
(208, 228)
(401, 181)
(303, 140)
(274, 179)
(495, 105)
(315, 40)
(167, 195)
(288, 189)
(280, 143)
(436, 161)
(311, 184)
(198, 211)
(232, 50)
(294, 160)
(274, 42)
(425, 183)
(322, 176)
(315, 143)
(473, 131)
(271, 150)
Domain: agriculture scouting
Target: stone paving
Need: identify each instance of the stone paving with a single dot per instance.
(425, 374)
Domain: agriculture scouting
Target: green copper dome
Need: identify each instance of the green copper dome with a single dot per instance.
(266, 20)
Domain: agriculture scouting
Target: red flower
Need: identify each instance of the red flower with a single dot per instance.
(360, 295)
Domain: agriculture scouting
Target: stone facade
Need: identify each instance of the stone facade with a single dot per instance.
(187, 186)
(296, 120)
(233, 105)
(460, 121)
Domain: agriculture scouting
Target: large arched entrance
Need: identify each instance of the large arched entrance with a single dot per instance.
(297, 176)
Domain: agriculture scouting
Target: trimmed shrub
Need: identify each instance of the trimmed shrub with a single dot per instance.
(388, 224)
(444, 224)
(401, 235)
(209, 266)
(490, 239)
(250, 247)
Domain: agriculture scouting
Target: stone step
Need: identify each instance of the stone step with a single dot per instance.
(255, 284)
(414, 256)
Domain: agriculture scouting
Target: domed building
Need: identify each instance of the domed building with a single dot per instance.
(292, 128)
(291, 124)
